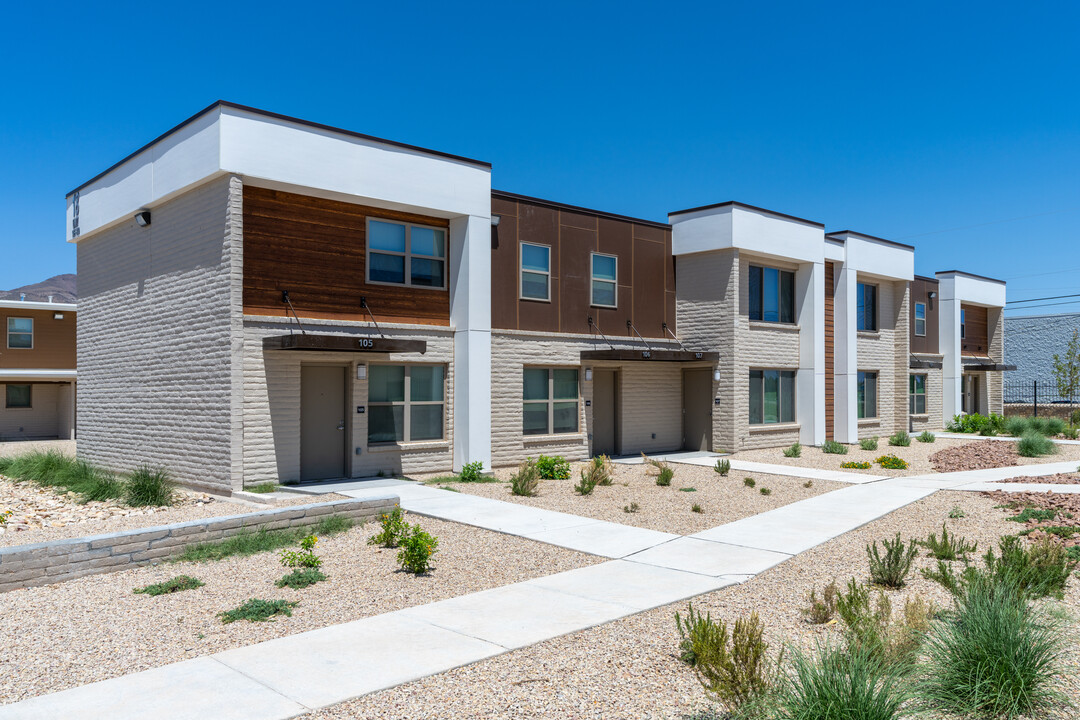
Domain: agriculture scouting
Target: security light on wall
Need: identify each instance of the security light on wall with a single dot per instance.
(142, 218)
(495, 220)
(58, 316)
(588, 374)
(716, 375)
(932, 295)
(361, 372)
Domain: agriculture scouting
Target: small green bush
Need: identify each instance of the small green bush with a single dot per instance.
(417, 549)
(301, 578)
(261, 540)
(926, 437)
(696, 508)
(808, 484)
(1054, 426)
(262, 488)
(974, 423)
(794, 451)
(840, 685)
(603, 466)
(526, 480)
(949, 547)
(631, 508)
(869, 443)
(749, 482)
(893, 568)
(1038, 571)
(695, 632)
(765, 491)
(597, 472)
(553, 468)
(833, 448)
(177, 584)
(663, 478)
(472, 472)
(722, 466)
(258, 611)
(900, 438)
(891, 462)
(305, 557)
(393, 529)
(855, 465)
(588, 482)
(1036, 514)
(148, 487)
(819, 612)
(1032, 444)
(868, 627)
(1071, 433)
(956, 513)
(734, 668)
(1016, 426)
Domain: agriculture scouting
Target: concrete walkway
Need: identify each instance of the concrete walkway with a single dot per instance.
(708, 459)
(999, 438)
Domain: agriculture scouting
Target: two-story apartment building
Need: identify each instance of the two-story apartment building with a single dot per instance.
(37, 370)
(265, 298)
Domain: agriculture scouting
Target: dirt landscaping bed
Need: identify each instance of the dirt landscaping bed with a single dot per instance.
(958, 455)
(94, 628)
(668, 509)
(630, 669)
(1059, 479)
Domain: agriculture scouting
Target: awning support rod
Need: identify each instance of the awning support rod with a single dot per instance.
(630, 325)
(363, 304)
(285, 299)
(673, 337)
(594, 326)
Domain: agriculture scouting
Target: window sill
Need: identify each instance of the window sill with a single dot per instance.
(553, 438)
(869, 421)
(536, 300)
(419, 446)
(762, 325)
(920, 416)
(869, 334)
(775, 427)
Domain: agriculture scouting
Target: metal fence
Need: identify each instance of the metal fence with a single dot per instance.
(1038, 397)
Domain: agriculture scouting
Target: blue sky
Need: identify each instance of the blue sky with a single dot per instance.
(954, 127)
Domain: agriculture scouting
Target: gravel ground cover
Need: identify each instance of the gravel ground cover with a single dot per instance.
(94, 628)
(1059, 479)
(668, 509)
(629, 669)
(917, 455)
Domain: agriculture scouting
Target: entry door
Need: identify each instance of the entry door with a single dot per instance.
(605, 411)
(322, 422)
(697, 409)
(971, 394)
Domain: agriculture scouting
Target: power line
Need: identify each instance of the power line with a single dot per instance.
(992, 222)
(1030, 307)
(1052, 272)
(1051, 297)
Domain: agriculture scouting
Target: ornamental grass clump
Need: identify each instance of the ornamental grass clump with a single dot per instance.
(1033, 444)
(588, 483)
(948, 547)
(839, 684)
(794, 451)
(393, 529)
(891, 569)
(526, 480)
(255, 610)
(869, 443)
(833, 448)
(149, 486)
(417, 549)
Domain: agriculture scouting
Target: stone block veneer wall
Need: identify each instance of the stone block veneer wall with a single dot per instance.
(23, 566)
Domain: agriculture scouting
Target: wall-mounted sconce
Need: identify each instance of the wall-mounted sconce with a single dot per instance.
(361, 372)
(932, 295)
(58, 316)
(495, 220)
(716, 375)
(588, 374)
(142, 218)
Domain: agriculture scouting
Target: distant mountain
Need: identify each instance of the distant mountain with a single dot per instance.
(61, 287)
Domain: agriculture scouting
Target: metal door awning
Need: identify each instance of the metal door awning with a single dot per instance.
(983, 364)
(344, 343)
(650, 355)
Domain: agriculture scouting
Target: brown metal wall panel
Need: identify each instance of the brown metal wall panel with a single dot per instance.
(649, 301)
(617, 238)
(650, 232)
(976, 332)
(575, 247)
(577, 220)
(504, 272)
(54, 341)
(920, 293)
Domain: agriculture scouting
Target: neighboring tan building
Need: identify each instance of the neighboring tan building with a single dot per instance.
(265, 298)
(37, 370)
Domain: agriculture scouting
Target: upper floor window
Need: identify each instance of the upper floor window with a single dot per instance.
(772, 396)
(772, 295)
(535, 272)
(605, 271)
(20, 333)
(549, 401)
(406, 254)
(867, 308)
(920, 319)
(867, 395)
(963, 322)
(18, 396)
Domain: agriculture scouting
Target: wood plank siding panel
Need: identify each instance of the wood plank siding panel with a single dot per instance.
(920, 293)
(54, 341)
(646, 270)
(316, 249)
(830, 351)
(976, 333)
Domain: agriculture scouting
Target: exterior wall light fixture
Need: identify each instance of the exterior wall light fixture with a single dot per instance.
(142, 218)
(716, 375)
(588, 374)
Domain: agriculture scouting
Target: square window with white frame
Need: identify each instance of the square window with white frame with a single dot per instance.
(535, 281)
(406, 403)
(867, 395)
(917, 394)
(20, 333)
(406, 254)
(550, 399)
(605, 278)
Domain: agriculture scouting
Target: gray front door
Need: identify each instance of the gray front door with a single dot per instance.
(322, 422)
(605, 413)
(697, 409)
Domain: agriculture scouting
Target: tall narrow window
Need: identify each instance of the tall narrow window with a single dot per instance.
(920, 319)
(867, 399)
(535, 272)
(406, 254)
(867, 308)
(20, 333)
(18, 396)
(605, 272)
(772, 295)
(549, 401)
(963, 323)
(772, 396)
(405, 403)
(917, 394)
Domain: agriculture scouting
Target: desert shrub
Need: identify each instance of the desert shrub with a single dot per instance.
(553, 468)
(833, 448)
(765, 491)
(891, 569)
(855, 465)
(988, 431)
(696, 508)
(1036, 514)
(663, 478)
(631, 508)
(471, 472)
(393, 529)
(839, 685)
(1032, 444)
(993, 656)
(1071, 433)
(148, 487)
(177, 584)
(1053, 426)
(974, 423)
(867, 626)
(900, 438)
(819, 612)
(1038, 571)
(588, 482)
(1016, 426)
(258, 611)
(301, 578)
(808, 484)
(660, 469)
(735, 668)
(722, 466)
(956, 513)
(305, 557)
(891, 462)
(869, 443)
(926, 437)
(749, 482)
(794, 451)
(417, 549)
(603, 466)
(526, 480)
(949, 547)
